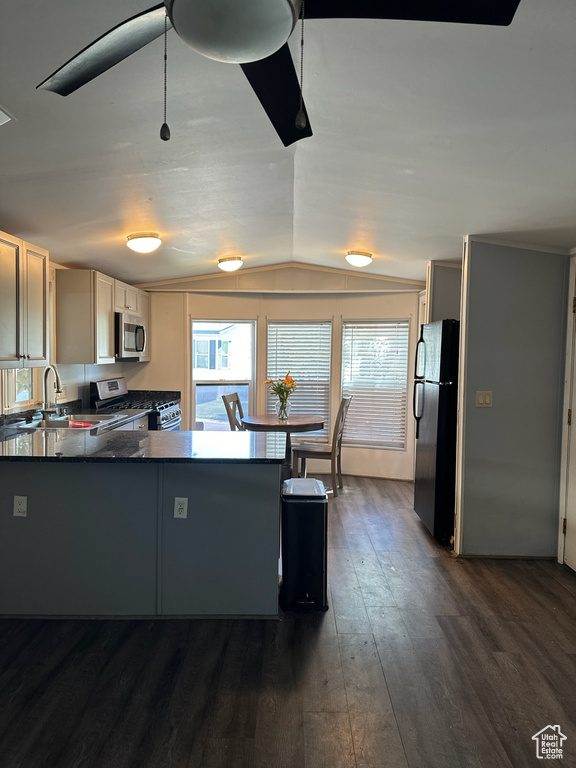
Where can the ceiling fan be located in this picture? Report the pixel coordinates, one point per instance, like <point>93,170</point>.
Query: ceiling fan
<point>254,34</point>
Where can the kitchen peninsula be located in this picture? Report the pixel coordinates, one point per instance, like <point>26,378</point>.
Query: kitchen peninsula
<point>100,535</point>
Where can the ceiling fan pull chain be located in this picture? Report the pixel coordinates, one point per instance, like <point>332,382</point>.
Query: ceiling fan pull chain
<point>165,130</point>
<point>301,121</point>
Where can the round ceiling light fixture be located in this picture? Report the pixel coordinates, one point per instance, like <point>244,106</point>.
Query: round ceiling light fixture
<point>143,242</point>
<point>359,258</point>
<point>230,263</point>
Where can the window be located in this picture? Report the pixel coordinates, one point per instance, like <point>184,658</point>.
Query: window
<point>223,356</point>
<point>304,350</point>
<point>375,372</point>
<point>20,385</point>
<point>202,353</point>
<point>223,362</point>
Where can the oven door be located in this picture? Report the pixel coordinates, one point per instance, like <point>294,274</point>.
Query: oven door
<point>130,336</point>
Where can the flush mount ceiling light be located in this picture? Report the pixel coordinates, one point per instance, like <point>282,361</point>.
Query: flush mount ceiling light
<point>358,258</point>
<point>143,242</point>
<point>230,263</point>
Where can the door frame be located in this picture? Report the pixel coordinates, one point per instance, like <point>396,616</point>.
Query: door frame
<point>569,398</point>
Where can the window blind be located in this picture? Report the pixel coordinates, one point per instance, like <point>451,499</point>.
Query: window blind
<point>375,373</point>
<point>304,349</point>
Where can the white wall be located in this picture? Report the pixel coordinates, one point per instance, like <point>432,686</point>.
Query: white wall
<point>171,315</point>
<point>513,327</point>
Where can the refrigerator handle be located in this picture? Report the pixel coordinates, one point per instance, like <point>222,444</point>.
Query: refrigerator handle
<point>420,341</point>
<point>416,416</point>
<point>416,358</point>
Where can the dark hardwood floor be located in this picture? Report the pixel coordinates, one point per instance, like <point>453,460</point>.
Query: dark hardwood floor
<point>422,660</point>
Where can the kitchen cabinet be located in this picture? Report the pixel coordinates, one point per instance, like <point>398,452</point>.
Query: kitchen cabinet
<point>101,538</point>
<point>125,297</point>
<point>23,304</point>
<point>84,317</point>
<point>443,287</point>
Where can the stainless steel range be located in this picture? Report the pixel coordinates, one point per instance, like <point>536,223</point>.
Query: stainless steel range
<point>114,395</point>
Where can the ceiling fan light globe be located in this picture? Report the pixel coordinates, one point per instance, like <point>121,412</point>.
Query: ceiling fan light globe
<point>359,258</point>
<point>234,31</point>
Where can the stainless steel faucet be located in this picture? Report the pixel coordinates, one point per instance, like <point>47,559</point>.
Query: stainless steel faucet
<point>46,409</point>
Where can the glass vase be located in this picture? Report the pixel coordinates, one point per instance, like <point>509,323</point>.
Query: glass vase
<point>283,409</point>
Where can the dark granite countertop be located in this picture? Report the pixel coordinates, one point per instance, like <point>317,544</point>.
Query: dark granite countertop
<point>119,446</point>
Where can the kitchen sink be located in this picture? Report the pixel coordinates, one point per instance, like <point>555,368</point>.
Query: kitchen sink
<point>73,421</point>
<point>59,424</point>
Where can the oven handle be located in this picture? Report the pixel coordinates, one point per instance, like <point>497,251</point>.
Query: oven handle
<point>171,426</point>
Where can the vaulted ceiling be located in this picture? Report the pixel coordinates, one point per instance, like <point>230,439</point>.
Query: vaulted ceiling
<point>423,132</point>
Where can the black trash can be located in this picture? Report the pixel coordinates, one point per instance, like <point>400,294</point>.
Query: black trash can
<point>304,545</point>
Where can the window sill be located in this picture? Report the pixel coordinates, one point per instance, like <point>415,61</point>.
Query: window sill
<point>25,405</point>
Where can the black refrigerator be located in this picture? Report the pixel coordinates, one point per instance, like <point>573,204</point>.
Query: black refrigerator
<point>435,411</point>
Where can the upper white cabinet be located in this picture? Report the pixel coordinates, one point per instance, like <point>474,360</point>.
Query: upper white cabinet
<point>23,304</point>
<point>125,297</point>
<point>443,287</point>
<point>85,301</point>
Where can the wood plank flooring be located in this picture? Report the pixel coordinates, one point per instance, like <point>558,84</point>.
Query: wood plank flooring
<point>422,661</point>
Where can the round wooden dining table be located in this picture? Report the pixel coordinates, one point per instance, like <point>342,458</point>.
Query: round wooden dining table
<point>269,423</point>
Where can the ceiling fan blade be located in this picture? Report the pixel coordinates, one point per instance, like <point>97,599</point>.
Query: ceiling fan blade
<point>495,12</point>
<point>114,46</point>
<point>275,82</point>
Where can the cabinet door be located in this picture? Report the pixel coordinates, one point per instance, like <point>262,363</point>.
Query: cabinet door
<point>104,287</point>
<point>125,297</point>
<point>36,305</point>
<point>144,312</point>
<point>10,303</point>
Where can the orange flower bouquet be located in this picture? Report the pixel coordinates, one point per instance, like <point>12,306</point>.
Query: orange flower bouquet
<point>283,388</point>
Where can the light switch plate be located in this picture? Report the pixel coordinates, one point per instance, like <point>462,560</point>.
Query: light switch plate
<point>483,398</point>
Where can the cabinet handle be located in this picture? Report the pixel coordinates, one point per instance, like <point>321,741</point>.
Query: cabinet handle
<point>28,357</point>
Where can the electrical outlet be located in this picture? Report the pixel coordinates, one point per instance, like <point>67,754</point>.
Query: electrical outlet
<point>20,506</point>
<point>180,507</point>
<point>61,395</point>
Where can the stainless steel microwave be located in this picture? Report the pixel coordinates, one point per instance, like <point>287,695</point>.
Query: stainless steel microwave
<point>130,333</point>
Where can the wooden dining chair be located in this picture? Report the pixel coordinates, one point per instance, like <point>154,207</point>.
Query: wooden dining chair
<point>234,410</point>
<point>331,452</point>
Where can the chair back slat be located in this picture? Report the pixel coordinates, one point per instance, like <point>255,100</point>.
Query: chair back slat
<point>339,423</point>
<point>234,410</point>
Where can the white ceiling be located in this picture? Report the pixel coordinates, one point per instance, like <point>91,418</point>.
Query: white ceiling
<point>423,133</point>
